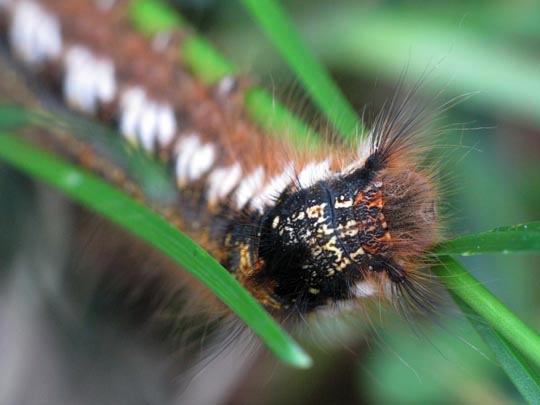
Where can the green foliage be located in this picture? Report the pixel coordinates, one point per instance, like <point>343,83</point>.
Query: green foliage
<point>492,311</point>
<point>525,376</point>
<point>523,238</point>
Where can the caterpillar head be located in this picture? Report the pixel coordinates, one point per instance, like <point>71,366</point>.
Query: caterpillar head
<point>361,232</point>
<point>347,237</point>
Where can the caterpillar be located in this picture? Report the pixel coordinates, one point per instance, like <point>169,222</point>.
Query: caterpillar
<point>301,230</point>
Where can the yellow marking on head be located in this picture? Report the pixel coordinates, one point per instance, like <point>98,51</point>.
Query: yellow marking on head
<point>344,204</point>
<point>315,211</point>
<point>246,266</point>
<point>331,247</point>
<point>325,230</point>
<point>357,253</point>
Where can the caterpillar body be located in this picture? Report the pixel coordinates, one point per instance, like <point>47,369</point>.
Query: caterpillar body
<point>300,229</point>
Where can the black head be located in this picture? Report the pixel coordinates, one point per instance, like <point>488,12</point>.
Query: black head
<point>318,243</point>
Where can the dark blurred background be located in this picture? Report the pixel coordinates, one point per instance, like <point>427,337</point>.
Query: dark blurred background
<point>486,51</point>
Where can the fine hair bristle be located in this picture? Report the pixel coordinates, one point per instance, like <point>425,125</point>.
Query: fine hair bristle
<point>402,136</point>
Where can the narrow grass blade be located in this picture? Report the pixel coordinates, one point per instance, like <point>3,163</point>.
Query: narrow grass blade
<point>525,377</point>
<point>495,313</point>
<point>323,90</point>
<point>507,239</point>
<point>152,17</point>
<point>124,211</point>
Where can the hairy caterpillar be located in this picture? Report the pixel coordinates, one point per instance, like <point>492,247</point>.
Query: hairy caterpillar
<point>408,354</point>
<point>382,202</point>
<point>301,230</point>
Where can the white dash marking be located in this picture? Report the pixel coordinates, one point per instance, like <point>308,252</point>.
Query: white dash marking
<point>148,125</point>
<point>185,149</point>
<point>314,172</point>
<point>131,107</point>
<point>166,124</point>
<point>88,80</point>
<point>146,120</point>
<point>222,181</point>
<point>79,90</point>
<point>105,81</point>
<point>273,189</point>
<point>22,33</point>
<point>34,33</point>
<point>132,96</point>
<point>49,38</point>
<point>248,187</point>
<point>201,161</point>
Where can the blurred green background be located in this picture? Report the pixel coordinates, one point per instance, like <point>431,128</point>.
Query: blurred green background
<point>486,50</point>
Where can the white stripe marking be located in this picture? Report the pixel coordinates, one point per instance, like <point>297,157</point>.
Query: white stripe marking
<point>88,81</point>
<point>249,187</point>
<point>166,124</point>
<point>105,81</point>
<point>78,88</point>
<point>148,125</point>
<point>201,161</point>
<point>35,33</point>
<point>313,173</point>
<point>273,189</point>
<point>186,148</point>
<point>26,18</point>
<point>145,120</point>
<point>131,106</point>
<point>222,181</point>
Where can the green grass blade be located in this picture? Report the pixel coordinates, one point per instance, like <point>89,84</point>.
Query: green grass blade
<point>525,378</point>
<point>271,17</point>
<point>384,41</point>
<point>96,194</point>
<point>507,239</point>
<point>152,17</point>
<point>485,304</point>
